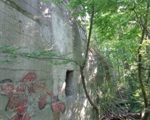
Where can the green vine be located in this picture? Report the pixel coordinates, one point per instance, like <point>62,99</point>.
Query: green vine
<point>53,57</point>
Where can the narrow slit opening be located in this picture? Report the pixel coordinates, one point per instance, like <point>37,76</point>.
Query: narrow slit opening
<point>69,83</point>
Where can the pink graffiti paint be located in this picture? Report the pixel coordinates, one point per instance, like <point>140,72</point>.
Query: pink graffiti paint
<point>58,106</point>
<point>22,106</point>
<point>20,89</point>
<point>31,89</point>
<point>17,104</point>
<point>18,116</point>
<point>7,88</point>
<point>18,95</point>
<point>42,102</point>
<point>30,76</point>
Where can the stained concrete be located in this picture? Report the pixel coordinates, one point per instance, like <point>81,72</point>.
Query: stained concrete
<point>29,26</point>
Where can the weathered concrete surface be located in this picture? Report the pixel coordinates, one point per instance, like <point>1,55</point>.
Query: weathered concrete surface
<point>29,26</point>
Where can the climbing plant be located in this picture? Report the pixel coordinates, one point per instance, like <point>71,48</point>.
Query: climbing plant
<point>54,58</point>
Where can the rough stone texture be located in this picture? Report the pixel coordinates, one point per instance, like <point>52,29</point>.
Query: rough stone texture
<point>30,26</point>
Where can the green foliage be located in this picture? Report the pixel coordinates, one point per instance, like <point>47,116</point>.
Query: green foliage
<point>117,31</point>
<point>12,51</point>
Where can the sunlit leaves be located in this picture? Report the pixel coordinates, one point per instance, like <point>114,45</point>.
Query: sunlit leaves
<point>117,33</point>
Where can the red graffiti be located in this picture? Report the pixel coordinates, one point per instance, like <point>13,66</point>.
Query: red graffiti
<point>22,106</point>
<point>19,94</point>
<point>31,89</point>
<point>18,116</point>
<point>7,88</point>
<point>31,76</point>
<point>18,104</point>
<point>42,102</point>
<point>20,89</point>
<point>58,106</point>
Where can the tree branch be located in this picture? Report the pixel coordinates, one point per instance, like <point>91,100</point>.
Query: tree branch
<point>84,64</point>
<point>144,28</point>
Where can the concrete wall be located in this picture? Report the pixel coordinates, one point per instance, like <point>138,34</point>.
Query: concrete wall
<point>30,85</point>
